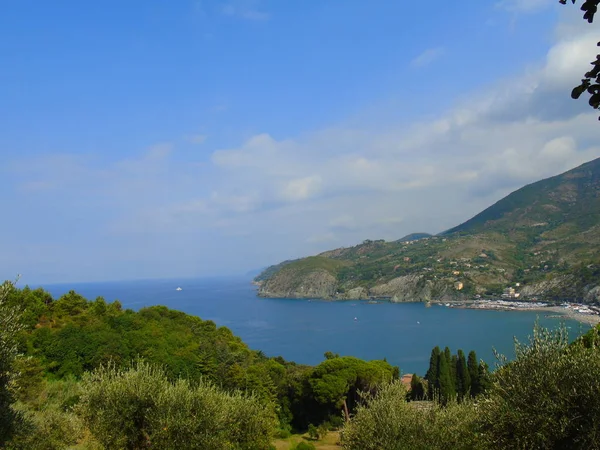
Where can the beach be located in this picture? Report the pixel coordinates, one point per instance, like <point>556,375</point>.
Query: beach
<point>581,313</point>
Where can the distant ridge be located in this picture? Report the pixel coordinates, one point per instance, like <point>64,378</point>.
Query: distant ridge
<point>539,242</point>
<point>414,237</point>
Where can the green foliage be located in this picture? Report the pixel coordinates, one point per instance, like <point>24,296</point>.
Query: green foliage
<point>452,377</point>
<point>303,445</point>
<point>547,397</point>
<point>139,407</point>
<point>49,422</point>
<point>433,373</point>
<point>463,378</point>
<point>473,369</point>
<point>323,429</point>
<point>335,383</point>
<point>312,431</point>
<point>387,421</point>
<point>9,328</point>
<point>591,81</point>
<point>446,383</point>
<point>417,389</point>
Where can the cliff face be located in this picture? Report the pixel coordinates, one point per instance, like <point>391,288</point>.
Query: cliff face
<point>287,284</point>
<point>414,288</point>
<point>320,284</point>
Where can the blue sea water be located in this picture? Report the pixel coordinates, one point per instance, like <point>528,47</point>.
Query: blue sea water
<point>302,330</point>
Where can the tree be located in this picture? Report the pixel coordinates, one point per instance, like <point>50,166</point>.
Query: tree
<point>432,375</point>
<point>313,432</point>
<point>463,379</point>
<point>417,390</point>
<point>331,355</point>
<point>484,377</point>
<point>473,369</point>
<point>547,397</point>
<point>446,388</point>
<point>386,421</point>
<point>9,327</point>
<point>591,80</point>
<point>335,383</point>
<point>140,408</point>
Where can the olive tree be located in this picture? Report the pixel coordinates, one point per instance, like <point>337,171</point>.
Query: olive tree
<point>9,327</point>
<point>140,408</point>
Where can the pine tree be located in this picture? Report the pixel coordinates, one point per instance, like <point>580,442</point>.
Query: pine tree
<point>463,378</point>
<point>473,368</point>
<point>432,374</point>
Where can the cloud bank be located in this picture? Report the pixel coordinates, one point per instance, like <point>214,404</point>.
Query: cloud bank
<point>270,199</point>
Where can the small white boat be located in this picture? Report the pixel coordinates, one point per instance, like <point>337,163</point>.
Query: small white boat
<point>179,289</point>
<point>355,318</point>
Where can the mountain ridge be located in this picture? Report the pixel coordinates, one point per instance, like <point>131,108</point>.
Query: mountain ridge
<point>543,239</point>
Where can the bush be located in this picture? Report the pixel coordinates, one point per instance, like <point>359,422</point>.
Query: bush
<point>139,407</point>
<point>323,429</point>
<point>304,446</point>
<point>49,429</point>
<point>547,397</point>
<point>283,433</point>
<point>387,421</point>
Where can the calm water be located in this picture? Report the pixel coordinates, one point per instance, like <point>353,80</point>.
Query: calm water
<point>302,330</point>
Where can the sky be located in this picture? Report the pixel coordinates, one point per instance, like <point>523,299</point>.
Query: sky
<point>161,139</point>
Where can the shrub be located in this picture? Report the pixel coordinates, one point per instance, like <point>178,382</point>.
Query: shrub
<point>49,429</point>
<point>139,407</point>
<point>387,421</point>
<point>547,397</point>
<point>304,446</point>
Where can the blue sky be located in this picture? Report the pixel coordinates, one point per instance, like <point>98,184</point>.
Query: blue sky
<point>149,139</point>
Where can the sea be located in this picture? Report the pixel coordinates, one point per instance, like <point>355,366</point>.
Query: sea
<point>303,330</point>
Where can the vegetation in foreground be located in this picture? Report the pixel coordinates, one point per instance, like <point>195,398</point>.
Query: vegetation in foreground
<point>68,382</point>
<point>545,399</point>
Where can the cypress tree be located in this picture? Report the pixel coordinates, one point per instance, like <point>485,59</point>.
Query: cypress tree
<point>432,374</point>
<point>445,382</point>
<point>417,391</point>
<point>451,365</point>
<point>473,368</point>
<point>453,371</point>
<point>463,378</point>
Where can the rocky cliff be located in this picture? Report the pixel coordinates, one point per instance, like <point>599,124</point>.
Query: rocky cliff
<point>323,285</point>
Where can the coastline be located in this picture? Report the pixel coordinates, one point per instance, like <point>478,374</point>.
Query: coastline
<point>571,311</point>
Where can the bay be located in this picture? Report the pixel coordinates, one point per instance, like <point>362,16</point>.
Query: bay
<point>302,330</point>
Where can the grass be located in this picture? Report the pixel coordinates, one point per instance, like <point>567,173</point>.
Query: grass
<point>329,442</point>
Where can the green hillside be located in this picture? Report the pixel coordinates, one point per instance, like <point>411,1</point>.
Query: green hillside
<point>543,236</point>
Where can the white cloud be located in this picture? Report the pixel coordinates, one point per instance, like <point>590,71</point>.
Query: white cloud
<point>301,188</point>
<point>427,57</point>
